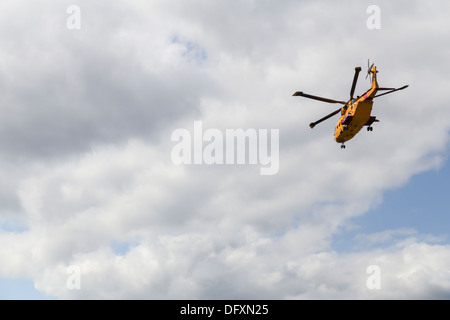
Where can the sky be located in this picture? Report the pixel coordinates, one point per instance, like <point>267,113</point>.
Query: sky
<point>94,206</point>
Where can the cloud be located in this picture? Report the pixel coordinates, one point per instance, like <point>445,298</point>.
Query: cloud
<point>85,137</point>
<point>105,84</point>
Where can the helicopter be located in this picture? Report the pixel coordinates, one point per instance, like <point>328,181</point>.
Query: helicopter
<point>355,113</point>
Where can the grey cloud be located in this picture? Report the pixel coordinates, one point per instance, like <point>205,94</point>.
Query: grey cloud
<point>65,92</point>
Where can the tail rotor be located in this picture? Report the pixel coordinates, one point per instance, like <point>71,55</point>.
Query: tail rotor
<point>369,70</point>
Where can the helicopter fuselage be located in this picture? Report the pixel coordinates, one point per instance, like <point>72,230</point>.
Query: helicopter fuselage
<point>356,114</point>
<point>352,121</point>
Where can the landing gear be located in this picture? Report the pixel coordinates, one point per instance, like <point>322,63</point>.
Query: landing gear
<point>342,146</point>
<point>369,128</point>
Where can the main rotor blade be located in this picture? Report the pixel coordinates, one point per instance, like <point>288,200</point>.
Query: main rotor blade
<point>404,87</point>
<point>299,93</point>
<point>355,79</point>
<point>313,124</point>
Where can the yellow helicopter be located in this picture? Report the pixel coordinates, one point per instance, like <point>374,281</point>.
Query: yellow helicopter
<point>355,113</point>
